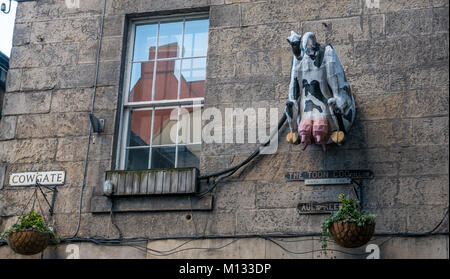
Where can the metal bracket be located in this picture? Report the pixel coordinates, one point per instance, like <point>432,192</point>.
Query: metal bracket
<point>98,125</point>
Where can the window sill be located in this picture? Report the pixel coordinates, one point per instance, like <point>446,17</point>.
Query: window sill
<point>102,204</point>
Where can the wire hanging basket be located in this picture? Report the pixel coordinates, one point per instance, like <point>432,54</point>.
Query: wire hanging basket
<point>350,235</point>
<point>30,234</point>
<point>28,242</point>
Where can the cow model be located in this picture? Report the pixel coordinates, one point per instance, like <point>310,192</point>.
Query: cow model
<point>321,107</point>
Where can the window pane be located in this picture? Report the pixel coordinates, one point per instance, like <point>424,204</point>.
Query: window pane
<point>189,156</point>
<point>196,38</point>
<point>190,130</point>
<point>169,44</point>
<point>163,157</point>
<point>163,126</point>
<point>145,42</point>
<point>167,76</point>
<point>140,124</point>
<point>141,82</point>
<point>137,159</point>
<point>193,75</point>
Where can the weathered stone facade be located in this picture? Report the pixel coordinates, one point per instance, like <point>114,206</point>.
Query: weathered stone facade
<point>396,60</point>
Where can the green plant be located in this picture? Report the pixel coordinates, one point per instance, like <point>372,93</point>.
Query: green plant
<point>30,221</point>
<point>349,211</point>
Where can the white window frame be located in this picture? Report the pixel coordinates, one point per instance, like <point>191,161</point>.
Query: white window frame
<point>153,105</point>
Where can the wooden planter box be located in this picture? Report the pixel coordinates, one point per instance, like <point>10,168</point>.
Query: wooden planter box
<point>350,235</point>
<point>28,242</point>
<point>153,182</point>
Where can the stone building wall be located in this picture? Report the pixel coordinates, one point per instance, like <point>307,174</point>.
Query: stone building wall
<point>395,56</point>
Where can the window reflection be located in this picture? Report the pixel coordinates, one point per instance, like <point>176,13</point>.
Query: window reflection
<point>195,38</point>
<point>140,124</point>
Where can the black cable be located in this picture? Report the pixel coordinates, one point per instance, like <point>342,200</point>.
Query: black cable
<point>246,161</point>
<point>90,123</point>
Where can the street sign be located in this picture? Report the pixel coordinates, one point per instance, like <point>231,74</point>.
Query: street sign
<point>47,178</point>
<point>329,174</point>
<point>317,207</point>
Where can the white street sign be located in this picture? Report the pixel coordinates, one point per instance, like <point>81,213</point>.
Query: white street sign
<point>48,178</point>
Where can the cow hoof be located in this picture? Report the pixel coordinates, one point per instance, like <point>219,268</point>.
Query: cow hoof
<point>292,138</point>
<point>337,137</point>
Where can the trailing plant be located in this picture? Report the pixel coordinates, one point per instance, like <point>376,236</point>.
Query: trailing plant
<point>349,211</point>
<point>30,221</point>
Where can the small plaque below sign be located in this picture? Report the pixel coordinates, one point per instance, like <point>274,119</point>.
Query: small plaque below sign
<point>327,181</point>
<point>317,207</point>
<point>47,178</point>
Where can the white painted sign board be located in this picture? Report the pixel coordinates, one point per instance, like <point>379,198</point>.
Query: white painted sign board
<point>48,178</point>
<point>327,181</point>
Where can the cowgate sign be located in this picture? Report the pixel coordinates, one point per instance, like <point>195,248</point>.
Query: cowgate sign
<point>47,178</point>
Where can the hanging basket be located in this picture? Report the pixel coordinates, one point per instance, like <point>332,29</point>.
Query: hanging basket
<point>350,235</point>
<point>28,242</point>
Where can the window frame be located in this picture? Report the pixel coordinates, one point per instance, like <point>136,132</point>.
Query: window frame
<point>126,107</point>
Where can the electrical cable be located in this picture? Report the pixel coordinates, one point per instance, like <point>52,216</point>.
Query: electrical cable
<point>251,157</point>
<point>90,124</point>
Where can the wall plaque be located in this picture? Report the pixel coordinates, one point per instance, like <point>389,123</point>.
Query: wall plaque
<point>317,207</point>
<point>327,181</point>
<point>47,178</point>
<point>327,174</point>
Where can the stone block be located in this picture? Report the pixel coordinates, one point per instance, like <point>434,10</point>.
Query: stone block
<point>7,127</point>
<point>423,191</point>
<point>409,22</point>
<point>278,194</point>
<point>44,55</point>
<point>51,125</point>
<point>106,98</point>
<point>7,253</point>
<point>26,103</point>
<point>422,159</point>
<point>432,247</point>
<point>31,151</point>
<point>51,10</point>
<point>429,131</point>
<point>109,73</point>
<point>221,66</point>
<point>96,173</point>
<point>71,149</point>
<point>228,248</point>
<point>294,248</point>
<point>235,195</point>
<point>428,78</point>
<point>72,100</point>
<point>440,20</point>
<point>345,30</point>
<point>424,218</point>
<point>334,251</point>
<point>65,30</point>
<point>378,106</point>
<point>78,76</point>
<point>111,50</point>
<point>2,175</point>
<point>64,205</point>
<point>225,16</point>
<point>113,25</point>
<point>393,6</point>
<point>39,78</point>
<point>272,221</point>
<point>101,147</point>
<point>127,251</point>
<point>22,32</point>
<point>13,80</point>
<point>389,219</point>
<point>423,103</point>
